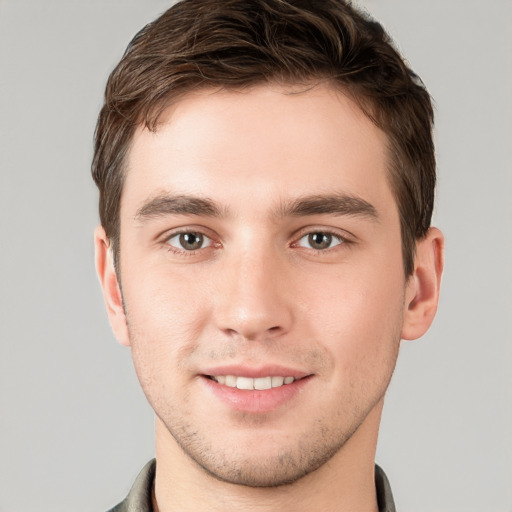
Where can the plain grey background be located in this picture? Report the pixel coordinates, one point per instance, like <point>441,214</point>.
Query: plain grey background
<point>75,428</point>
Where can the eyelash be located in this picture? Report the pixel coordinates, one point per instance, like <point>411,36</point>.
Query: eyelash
<point>343,240</point>
<point>334,236</point>
<point>183,251</point>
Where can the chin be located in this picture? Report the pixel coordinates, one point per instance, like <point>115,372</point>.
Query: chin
<point>258,465</point>
<point>274,472</point>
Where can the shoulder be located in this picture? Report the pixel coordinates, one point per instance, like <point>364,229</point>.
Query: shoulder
<point>139,498</point>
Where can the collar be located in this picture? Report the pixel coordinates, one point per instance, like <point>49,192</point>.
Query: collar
<point>139,498</point>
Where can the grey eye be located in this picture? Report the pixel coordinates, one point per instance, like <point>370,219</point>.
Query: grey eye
<point>189,241</point>
<point>319,240</point>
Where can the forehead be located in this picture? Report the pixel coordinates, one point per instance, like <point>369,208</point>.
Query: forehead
<point>265,143</point>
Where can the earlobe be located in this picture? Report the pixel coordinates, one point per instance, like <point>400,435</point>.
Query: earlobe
<point>110,286</point>
<point>422,292</point>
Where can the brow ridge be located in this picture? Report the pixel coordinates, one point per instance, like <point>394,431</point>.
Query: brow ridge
<point>167,204</point>
<point>330,204</point>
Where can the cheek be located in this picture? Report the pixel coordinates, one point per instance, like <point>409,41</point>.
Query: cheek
<point>163,315</point>
<point>357,316</point>
<point>165,312</point>
<point>161,292</point>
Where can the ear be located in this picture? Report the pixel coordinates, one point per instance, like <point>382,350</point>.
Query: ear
<point>110,286</point>
<point>422,291</point>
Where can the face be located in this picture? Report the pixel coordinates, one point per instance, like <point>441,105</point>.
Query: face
<point>262,277</point>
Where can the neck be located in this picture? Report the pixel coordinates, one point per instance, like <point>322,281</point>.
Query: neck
<point>344,483</point>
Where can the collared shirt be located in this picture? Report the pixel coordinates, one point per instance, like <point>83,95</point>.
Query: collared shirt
<point>140,497</point>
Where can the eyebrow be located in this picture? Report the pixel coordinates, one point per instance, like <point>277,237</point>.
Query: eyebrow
<point>331,204</point>
<point>167,204</point>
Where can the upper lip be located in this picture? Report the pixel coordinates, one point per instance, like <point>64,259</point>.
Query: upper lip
<point>256,371</point>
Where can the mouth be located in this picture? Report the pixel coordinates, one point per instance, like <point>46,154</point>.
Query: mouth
<point>250,383</point>
<point>255,391</point>
<point>253,388</point>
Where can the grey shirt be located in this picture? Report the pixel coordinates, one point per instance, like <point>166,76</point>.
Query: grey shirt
<point>139,498</point>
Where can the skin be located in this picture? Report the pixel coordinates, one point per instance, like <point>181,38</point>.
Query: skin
<point>260,291</point>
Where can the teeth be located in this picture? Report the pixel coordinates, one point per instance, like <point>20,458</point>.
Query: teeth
<point>230,381</point>
<point>277,381</point>
<point>263,383</point>
<point>244,383</point>
<point>260,383</point>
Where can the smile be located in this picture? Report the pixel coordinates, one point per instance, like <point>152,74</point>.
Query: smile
<point>249,383</point>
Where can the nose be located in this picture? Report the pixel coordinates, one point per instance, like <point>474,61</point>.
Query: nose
<point>254,296</point>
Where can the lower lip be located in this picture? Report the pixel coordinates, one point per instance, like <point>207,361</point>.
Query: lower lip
<point>256,401</point>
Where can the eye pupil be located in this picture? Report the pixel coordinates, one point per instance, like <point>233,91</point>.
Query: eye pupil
<point>191,241</point>
<point>320,240</point>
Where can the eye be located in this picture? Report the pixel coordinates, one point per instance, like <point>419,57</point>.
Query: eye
<point>189,241</point>
<point>319,240</point>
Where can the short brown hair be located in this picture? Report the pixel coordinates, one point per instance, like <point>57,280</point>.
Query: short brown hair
<point>238,43</point>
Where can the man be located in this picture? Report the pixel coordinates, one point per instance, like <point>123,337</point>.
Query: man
<point>266,174</point>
